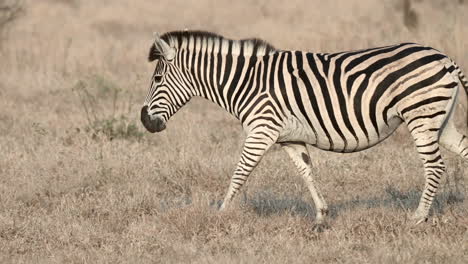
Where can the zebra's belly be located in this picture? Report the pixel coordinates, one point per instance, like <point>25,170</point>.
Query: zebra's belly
<point>297,131</point>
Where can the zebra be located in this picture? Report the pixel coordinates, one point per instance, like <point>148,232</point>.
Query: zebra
<point>342,102</point>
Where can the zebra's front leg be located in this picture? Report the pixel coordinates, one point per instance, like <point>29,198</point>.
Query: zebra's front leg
<point>300,156</point>
<point>255,146</point>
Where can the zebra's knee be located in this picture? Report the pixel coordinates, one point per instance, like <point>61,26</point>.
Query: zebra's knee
<point>438,167</point>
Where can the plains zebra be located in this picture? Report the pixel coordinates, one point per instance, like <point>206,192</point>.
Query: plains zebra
<point>342,102</point>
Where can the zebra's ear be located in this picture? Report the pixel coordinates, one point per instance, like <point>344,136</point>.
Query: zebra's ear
<point>153,53</point>
<point>160,49</point>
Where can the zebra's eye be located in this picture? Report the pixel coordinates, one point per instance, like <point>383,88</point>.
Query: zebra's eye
<point>158,78</point>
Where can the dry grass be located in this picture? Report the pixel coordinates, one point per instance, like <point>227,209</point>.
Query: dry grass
<point>80,181</point>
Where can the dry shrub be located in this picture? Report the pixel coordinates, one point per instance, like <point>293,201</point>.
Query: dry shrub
<point>410,17</point>
<point>70,3</point>
<point>9,11</point>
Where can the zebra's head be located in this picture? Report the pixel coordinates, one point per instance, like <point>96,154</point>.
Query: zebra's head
<point>169,90</point>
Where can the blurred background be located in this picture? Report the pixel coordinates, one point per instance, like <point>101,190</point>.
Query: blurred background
<point>77,36</point>
<point>52,45</point>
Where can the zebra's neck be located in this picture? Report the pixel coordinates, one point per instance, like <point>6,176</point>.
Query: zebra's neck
<point>225,74</point>
<point>222,70</point>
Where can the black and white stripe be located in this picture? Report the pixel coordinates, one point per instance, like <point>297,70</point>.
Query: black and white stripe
<point>343,102</point>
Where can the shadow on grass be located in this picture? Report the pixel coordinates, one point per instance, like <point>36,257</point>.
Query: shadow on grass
<point>265,204</point>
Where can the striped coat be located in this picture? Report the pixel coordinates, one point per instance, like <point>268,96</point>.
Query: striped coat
<point>343,102</point>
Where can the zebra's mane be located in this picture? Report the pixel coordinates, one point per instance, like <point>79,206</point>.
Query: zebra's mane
<point>251,46</point>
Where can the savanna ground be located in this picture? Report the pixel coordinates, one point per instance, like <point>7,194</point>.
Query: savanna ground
<point>82,182</point>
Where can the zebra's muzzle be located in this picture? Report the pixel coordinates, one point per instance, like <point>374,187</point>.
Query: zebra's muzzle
<point>152,124</point>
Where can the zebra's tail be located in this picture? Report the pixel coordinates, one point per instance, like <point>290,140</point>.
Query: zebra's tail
<point>463,82</point>
<point>462,77</point>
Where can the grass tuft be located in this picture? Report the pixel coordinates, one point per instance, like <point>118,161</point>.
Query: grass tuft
<point>111,122</point>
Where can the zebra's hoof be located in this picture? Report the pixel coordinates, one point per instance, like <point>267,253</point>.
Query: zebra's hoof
<point>417,219</point>
<point>223,206</point>
<point>216,204</point>
<point>320,227</point>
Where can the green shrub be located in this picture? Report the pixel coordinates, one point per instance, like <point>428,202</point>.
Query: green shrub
<point>107,108</point>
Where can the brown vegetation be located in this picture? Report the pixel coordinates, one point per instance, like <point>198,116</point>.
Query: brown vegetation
<point>9,11</point>
<point>80,180</point>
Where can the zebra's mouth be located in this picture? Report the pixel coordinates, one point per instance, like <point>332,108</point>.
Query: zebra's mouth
<point>152,124</point>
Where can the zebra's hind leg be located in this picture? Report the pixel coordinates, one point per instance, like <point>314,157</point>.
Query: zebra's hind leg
<point>255,146</point>
<point>454,141</point>
<point>426,138</point>
<point>300,156</point>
